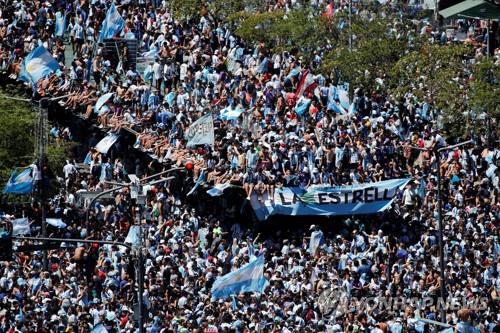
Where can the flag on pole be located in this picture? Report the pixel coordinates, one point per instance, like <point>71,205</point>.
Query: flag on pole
<point>201,132</point>
<point>20,182</point>
<point>60,24</point>
<point>306,79</point>
<point>112,24</point>
<point>37,65</point>
<point>248,278</point>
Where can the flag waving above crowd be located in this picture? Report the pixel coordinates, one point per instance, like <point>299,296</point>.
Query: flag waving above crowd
<point>20,182</point>
<point>113,24</point>
<point>37,65</point>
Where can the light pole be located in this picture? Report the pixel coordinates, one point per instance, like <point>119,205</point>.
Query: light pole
<point>440,217</point>
<point>140,275</point>
<point>139,249</point>
<point>40,150</point>
<point>350,25</point>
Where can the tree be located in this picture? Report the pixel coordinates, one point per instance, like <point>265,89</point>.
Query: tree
<point>297,31</point>
<point>374,52</point>
<point>17,125</point>
<point>484,97</point>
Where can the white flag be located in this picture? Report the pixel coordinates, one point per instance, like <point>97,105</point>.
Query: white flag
<point>106,143</point>
<point>201,132</point>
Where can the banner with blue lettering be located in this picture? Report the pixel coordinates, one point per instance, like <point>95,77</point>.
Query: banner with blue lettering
<point>368,198</point>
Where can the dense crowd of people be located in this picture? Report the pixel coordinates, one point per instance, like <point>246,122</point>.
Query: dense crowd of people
<point>200,66</point>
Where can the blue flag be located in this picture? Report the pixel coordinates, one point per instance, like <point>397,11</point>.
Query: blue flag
<point>20,182</point>
<point>151,54</point>
<point>343,96</point>
<point>201,179</point>
<point>37,65</point>
<point>170,98</point>
<point>230,113</point>
<point>112,25</point>
<point>88,159</point>
<point>249,278</point>
<point>99,328</point>
<point>352,108</point>
<point>234,305</point>
<point>60,24</point>
<point>58,223</point>
<point>302,106</point>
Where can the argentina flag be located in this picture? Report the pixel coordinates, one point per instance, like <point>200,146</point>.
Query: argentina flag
<point>19,182</point>
<point>60,24</point>
<point>37,65</point>
<point>249,278</point>
<point>112,25</point>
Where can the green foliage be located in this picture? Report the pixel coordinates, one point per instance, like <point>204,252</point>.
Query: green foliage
<point>17,123</point>
<point>437,73</point>
<point>297,31</point>
<point>185,9</point>
<point>484,96</point>
<point>374,52</point>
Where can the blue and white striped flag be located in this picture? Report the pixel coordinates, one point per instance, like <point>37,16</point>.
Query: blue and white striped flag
<point>60,24</point>
<point>218,189</point>
<point>88,159</point>
<point>343,96</point>
<point>58,223</point>
<point>21,227</point>
<point>20,182</point>
<point>201,179</point>
<point>315,241</point>
<point>112,25</point>
<point>133,236</point>
<point>249,278</point>
<point>151,54</point>
<point>37,65</point>
<point>230,113</point>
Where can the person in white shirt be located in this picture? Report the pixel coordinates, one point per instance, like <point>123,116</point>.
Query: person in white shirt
<point>69,169</point>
